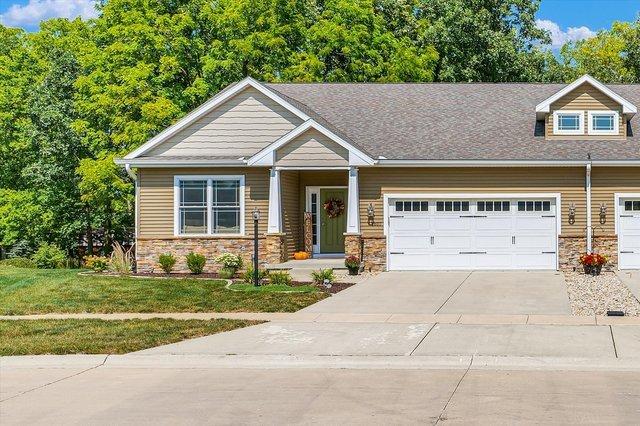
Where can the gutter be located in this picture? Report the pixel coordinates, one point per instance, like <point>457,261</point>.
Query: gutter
<point>506,163</point>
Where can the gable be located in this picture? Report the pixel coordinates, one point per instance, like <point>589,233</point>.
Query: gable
<point>239,127</point>
<point>586,97</point>
<point>312,148</point>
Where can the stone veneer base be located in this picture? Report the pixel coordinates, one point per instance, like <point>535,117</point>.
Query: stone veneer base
<point>149,250</point>
<point>571,248</point>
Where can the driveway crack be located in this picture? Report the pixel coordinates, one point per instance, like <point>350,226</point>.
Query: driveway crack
<point>422,340</point>
<point>454,291</point>
<point>441,416</point>
<point>613,340</point>
<point>57,381</point>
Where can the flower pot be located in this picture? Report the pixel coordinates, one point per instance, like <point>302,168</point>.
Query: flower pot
<point>596,269</point>
<point>353,271</point>
<point>587,269</point>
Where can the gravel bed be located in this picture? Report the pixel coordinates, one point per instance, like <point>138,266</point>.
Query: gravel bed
<point>590,295</point>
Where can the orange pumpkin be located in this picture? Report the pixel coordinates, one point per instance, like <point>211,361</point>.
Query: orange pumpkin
<point>301,255</point>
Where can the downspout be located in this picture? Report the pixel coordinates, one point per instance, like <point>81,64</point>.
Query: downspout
<point>589,227</point>
<point>133,176</point>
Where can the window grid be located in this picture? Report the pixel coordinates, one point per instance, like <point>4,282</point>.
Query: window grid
<point>602,122</point>
<point>534,206</point>
<point>569,121</point>
<point>632,205</point>
<point>493,206</point>
<point>452,206</point>
<point>314,219</point>
<point>412,206</point>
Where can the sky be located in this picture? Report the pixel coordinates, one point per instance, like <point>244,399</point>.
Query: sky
<point>567,20</point>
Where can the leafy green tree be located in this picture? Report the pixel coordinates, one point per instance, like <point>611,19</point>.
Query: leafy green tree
<point>485,40</point>
<point>22,218</point>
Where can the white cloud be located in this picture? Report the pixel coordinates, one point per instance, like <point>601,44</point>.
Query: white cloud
<point>34,11</point>
<point>559,37</point>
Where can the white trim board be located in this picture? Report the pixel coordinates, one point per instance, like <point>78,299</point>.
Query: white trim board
<point>208,106</point>
<point>266,156</point>
<point>627,107</point>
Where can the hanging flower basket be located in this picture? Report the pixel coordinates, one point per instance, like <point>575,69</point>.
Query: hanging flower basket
<point>592,263</point>
<point>334,207</point>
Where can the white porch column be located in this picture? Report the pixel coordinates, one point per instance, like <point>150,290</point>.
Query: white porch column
<point>353,203</point>
<point>274,224</point>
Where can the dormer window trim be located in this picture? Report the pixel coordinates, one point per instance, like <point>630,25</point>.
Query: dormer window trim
<point>616,123</point>
<point>556,122</point>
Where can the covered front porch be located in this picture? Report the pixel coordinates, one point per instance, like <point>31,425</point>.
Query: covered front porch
<point>315,211</point>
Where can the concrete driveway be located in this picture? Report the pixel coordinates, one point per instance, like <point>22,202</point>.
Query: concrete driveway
<point>482,293</point>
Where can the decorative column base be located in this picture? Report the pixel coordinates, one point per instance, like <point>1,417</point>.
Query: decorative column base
<point>307,233</point>
<point>353,245</point>
<point>275,251</point>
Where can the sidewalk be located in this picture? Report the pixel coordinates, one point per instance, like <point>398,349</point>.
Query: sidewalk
<point>302,316</point>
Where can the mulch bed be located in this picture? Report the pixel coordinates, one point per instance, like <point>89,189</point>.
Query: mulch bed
<point>335,287</point>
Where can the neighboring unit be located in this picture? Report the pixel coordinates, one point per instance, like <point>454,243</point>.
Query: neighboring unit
<point>405,176</point>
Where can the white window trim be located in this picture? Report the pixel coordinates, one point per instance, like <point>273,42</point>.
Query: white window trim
<point>616,123</point>
<point>209,179</point>
<point>556,116</point>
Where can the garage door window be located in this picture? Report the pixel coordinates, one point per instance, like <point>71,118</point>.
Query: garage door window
<point>534,206</point>
<point>493,206</point>
<point>412,206</point>
<point>632,206</point>
<point>452,206</point>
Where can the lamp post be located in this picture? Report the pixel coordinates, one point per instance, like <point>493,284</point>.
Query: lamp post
<point>256,219</point>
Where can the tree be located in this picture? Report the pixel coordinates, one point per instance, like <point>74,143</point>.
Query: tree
<point>485,40</point>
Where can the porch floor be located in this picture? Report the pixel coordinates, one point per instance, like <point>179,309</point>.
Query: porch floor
<point>317,263</point>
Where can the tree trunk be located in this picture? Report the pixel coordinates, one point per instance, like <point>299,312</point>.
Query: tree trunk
<point>89,234</point>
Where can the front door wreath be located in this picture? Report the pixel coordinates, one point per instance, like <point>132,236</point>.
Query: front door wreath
<point>334,207</point>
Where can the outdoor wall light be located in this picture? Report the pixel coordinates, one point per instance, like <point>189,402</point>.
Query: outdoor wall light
<point>256,214</point>
<point>572,213</point>
<point>603,213</point>
<point>370,214</point>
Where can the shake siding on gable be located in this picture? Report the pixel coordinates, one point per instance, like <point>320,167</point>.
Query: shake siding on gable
<point>312,148</point>
<point>568,181</point>
<point>240,127</point>
<point>156,198</point>
<point>585,98</point>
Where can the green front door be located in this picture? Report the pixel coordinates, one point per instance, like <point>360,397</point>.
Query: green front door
<point>332,229</point>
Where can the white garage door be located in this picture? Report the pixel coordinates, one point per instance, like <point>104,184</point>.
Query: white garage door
<point>629,233</point>
<point>485,233</point>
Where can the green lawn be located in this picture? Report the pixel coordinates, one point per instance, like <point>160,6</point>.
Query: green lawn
<point>89,336</point>
<point>36,291</point>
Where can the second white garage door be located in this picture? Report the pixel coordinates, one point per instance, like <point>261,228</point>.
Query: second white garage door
<point>482,233</point>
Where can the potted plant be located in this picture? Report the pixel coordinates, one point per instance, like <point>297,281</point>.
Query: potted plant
<point>353,265</point>
<point>593,262</point>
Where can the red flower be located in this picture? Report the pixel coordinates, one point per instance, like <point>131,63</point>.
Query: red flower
<point>593,259</point>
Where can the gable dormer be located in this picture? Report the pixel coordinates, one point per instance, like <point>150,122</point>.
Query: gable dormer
<point>585,109</point>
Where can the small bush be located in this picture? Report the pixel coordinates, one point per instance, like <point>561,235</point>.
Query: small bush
<point>247,277</point>
<point>97,263</point>
<point>167,262</point>
<point>121,259</point>
<point>227,273</point>
<point>230,261</point>
<point>19,262</point>
<point>49,256</point>
<point>195,262</point>
<point>21,249</point>
<point>352,262</point>
<point>321,275</point>
<point>279,278</point>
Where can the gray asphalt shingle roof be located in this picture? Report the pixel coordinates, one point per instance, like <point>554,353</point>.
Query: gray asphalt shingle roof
<point>453,121</point>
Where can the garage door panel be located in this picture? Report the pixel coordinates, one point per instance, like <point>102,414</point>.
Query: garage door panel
<point>406,242</point>
<point>409,223</point>
<point>524,224</point>
<point>494,223</point>
<point>409,261</point>
<point>452,261</point>
<point>453,242</point>
<point>629,233</point>
<point>534,242</point>
<point>452,223</point>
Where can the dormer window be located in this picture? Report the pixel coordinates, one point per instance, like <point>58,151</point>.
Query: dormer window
<point>568,122</point>
<point>603,122</point>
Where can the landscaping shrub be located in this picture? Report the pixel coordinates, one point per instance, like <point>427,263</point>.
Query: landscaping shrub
<point>247,277</point>
<point>167,261</point>
<point>226,273</point>
<point>195,262</point>
<point>19,262</point>
<point>49,256</point>
<point>321,275</point>
<point>97,263</point>
<point>121,259</point>
<point>279,278</point>
<point>230,261</point>
<point>21,249</point>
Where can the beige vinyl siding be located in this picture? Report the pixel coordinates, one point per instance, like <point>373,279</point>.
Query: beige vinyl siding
<point>291,213</point>
<point>569,182</point>
<point>312,148</point>
<point>241,126</point>
<point>605,182</point>
<point>586,98</point>
<point>156,197</point>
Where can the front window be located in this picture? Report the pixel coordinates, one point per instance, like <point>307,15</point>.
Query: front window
<point>603,122</point>
<point>568,122</point>
<point>210,205</point>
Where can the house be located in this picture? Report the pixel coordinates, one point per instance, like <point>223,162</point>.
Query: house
<point>406,176</point>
